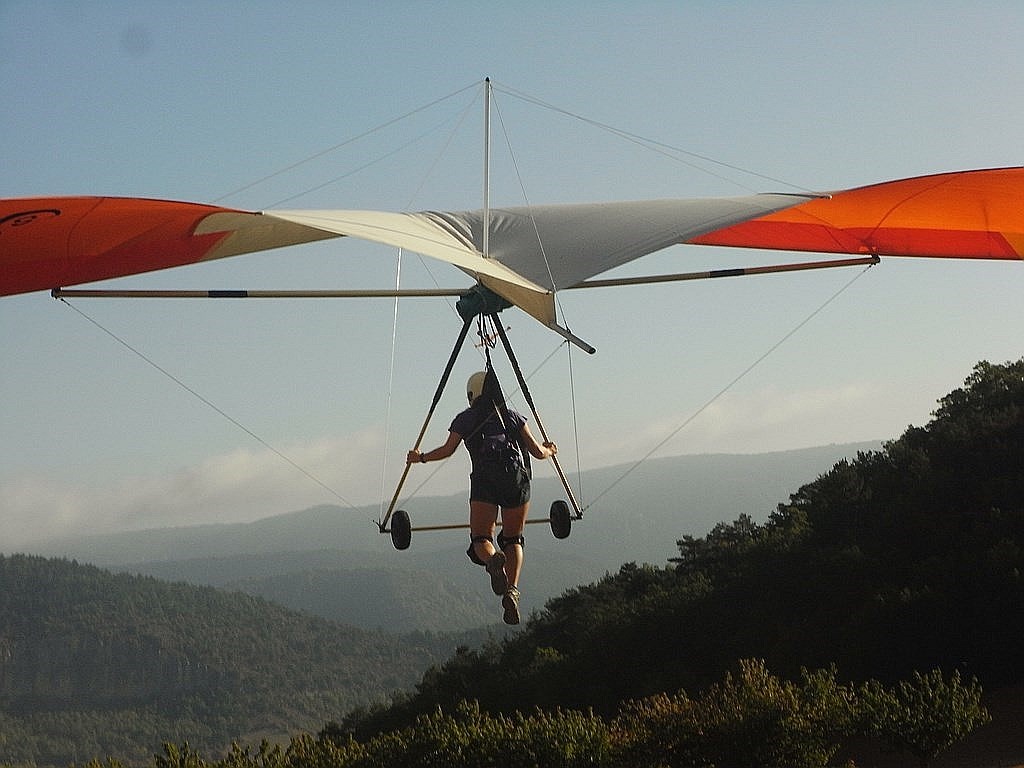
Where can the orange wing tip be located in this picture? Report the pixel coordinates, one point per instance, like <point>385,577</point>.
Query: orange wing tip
<point>60,241</point>
<point>966,214</point>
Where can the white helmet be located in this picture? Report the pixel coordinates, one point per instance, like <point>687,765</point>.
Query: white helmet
<point>475,385</point>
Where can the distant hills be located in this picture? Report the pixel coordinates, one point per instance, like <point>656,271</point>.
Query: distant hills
<point>332,561</point>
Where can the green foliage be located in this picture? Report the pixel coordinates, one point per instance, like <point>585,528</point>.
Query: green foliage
<point>474,739</point>
<point>923,716</point>
<point>468,737</point>
<point>751,719</point>
<point>179,757</point>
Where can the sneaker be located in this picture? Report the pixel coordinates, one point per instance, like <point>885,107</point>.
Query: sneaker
<point>510,603</point>
<point>496,570</point>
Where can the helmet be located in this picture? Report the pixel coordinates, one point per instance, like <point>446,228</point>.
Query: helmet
<point>475,385</point>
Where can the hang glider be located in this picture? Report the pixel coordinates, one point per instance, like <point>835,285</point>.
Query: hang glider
<point>526,254</point>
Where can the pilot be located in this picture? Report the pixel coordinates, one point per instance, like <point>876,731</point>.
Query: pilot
<point>497,439</point>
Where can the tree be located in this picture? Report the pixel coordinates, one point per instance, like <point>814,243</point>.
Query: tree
<point>924,716</point>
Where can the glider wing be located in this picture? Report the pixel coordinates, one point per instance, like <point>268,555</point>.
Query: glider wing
<point>967,214</point>
<point>54,242</point>
<point>57,242</point>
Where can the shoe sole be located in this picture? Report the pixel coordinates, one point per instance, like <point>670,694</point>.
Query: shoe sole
<point>496,570</point>
<point>511,606</point>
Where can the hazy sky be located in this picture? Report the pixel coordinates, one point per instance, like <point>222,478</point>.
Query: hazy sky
<point>223,101</point>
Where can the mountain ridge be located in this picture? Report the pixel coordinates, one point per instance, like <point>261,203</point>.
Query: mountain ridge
<point>637,520</point>
<point>316,521</point>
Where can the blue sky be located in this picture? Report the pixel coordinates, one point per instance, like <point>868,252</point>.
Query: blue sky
<point>199,100</point>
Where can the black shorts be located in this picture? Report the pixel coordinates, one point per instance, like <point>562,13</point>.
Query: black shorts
<point>508,486</point>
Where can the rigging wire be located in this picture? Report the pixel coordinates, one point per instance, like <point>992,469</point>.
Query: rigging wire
<point>398,285</point>
<point>529,205</point>
<point>357,169</point>
<point>426,175</point>
<point>575,424</point>
<point>485,342</point>
<point>441,152</point>
<point>346,142</point>
<point>654,145</point>
<point>554,288</point>
<point>667,150</point>
<point>210,404</point>
<point>390,389</point>
<point>693,416</point>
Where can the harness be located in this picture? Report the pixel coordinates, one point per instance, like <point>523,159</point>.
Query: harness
<point>494,449</point>
<point>491,443</point>
<point>490,440</point>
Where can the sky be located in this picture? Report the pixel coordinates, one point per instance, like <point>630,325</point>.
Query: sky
<point>127,414</point>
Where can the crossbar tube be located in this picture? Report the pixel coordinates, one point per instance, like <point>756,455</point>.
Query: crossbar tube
<point>101,293</point>
<point>715,273</point>
<point>97,293</point>
<point>457,526</point>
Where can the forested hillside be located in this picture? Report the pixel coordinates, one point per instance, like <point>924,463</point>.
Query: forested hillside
<point>904,559</point>
<point>93,663</point>
<point>891,587</point>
